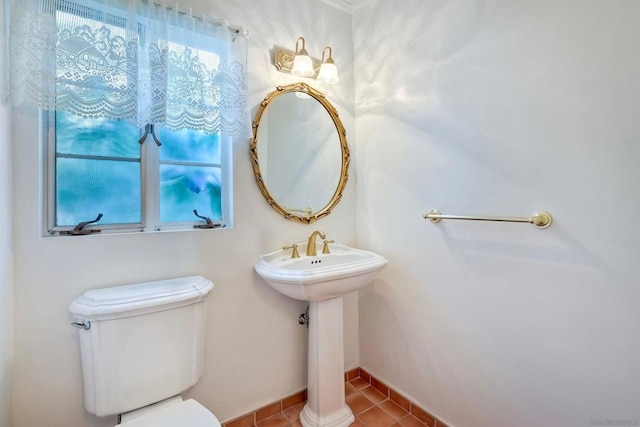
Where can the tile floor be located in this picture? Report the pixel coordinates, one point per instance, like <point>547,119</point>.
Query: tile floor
<point>370,406</point>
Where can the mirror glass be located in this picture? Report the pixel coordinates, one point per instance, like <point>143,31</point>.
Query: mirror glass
<point>299,152</point>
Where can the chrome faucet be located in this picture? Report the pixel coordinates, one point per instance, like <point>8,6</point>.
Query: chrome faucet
<point>311,244</point>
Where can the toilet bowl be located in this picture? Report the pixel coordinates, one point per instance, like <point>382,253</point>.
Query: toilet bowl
<point>172,412</point>
<point>142,345</point>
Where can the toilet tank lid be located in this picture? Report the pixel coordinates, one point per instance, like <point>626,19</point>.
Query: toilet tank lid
<point>130,300</point>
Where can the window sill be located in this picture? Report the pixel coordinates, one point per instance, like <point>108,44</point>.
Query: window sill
<point>131,231</point>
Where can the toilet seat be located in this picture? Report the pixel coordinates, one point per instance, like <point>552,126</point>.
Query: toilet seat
<point>171,413</point>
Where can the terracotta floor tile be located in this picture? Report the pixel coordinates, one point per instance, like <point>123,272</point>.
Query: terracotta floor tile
<point>392,409</point>
<point>293,413</point>
<point>293,400</point>
<point>382,388</point>
<point>268,411</point>
<point>245,421</point>
<point>275,421</point>
<point>373,395</point>
<point>349,389</point>
<point>411,421</point>
<point>399,400</point>
<point>359,383</point>
<point>376,417</point>
<point>365,375</point>
<point>352,374</point>
<point>370,406</point>
<point>358,403</point>
<point>423,416</point>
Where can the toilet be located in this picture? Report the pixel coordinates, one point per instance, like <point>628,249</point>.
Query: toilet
<point>142,345</point>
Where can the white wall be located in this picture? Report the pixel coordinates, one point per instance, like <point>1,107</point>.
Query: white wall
<point>256,351</point>
<point>502,107</point>
<point>6,246</point>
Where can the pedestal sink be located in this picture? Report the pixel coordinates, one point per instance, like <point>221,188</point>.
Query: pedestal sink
<point>322,280</point>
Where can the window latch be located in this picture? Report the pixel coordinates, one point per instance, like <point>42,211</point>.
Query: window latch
<point>209,223</point>
<point>149,130</point>
<point>79,230</point>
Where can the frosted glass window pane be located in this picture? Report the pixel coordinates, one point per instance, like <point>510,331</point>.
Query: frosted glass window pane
<point>87,187</point>
<point>96,137</point>
<point>188,145</point>
<point>185,188</point>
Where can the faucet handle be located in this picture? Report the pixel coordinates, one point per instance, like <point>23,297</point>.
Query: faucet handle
<point>325,247</point>
<point>295,253</point>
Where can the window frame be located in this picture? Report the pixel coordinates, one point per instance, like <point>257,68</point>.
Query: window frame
<point>48,124</point>
<point>149,191</point>
<point>226,178</point>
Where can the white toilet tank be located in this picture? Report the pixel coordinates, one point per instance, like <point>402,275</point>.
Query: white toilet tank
<point>144,342</point>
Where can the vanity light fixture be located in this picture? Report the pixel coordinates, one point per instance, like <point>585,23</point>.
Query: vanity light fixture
<point>328,71</point>
<point>299,63</point>
<point>302,64</point>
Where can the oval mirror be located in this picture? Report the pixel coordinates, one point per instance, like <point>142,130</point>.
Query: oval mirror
<point>299,152</point>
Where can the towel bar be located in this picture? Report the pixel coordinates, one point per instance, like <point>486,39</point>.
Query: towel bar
<point>537,219</point>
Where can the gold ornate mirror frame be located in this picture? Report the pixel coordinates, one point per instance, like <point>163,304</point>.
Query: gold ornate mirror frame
<point>342,134</point>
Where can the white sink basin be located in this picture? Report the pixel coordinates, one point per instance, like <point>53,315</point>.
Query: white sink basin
<point>321,277</point>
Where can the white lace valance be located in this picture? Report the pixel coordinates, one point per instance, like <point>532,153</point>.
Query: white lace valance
<point>129,60</point>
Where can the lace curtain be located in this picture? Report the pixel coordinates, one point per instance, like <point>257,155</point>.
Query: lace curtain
<point>129,60</point>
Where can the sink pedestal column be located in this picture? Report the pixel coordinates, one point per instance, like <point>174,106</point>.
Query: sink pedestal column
<point>326,406</point>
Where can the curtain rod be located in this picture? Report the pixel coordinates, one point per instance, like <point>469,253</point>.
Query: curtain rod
<point>222,22</point>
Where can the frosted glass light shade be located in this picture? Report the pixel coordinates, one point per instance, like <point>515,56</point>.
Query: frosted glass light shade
<point>302,65</point>
<point>328,73</point>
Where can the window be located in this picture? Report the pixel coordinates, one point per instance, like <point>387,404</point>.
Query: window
<point>98,166</point>
<point>141,104</point>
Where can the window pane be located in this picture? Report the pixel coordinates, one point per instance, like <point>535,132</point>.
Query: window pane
<point>96,137</point>
<point>185,188</point>
<point>188,145</point>
<point>86,188</point>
